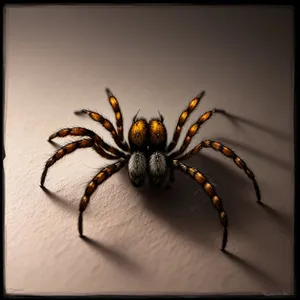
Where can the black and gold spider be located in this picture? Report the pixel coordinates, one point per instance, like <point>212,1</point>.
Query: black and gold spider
<point>147,153</point>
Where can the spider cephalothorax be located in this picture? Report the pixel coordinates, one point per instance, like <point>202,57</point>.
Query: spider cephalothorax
<point>146,154</point>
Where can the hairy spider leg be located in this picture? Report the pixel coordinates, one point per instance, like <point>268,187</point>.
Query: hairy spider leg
<point>118,116</point>
<point>103,175</point>
<point>80,131</point>
<point>182,120</point>
<point>192,132</point>
<point>210,191</point>
<point>106,124</point>
<point>69,148</point>
<point>228,153</point>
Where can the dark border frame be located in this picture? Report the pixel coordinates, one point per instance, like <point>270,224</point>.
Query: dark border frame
<point>295,9</point>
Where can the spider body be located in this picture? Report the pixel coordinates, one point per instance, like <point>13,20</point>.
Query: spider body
<point>147,153</point>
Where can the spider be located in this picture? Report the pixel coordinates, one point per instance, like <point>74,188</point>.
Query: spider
<point>147,153</point>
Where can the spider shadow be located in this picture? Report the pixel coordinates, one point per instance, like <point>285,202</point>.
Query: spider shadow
<point>114,255</point>
<point>187,208</point>
<point>236,120</point>
<point>60,201</point>
<point>189,211</point>
<point>283,220</point>
<point>254,271</point>
<point>109,252</point>
<point>193,215</point>
<point>55,144</point>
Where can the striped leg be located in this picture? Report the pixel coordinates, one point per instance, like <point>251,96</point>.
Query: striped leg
<point>107,125</point>
<point>103,175</point>
<point>228,153</point>
<point>118,115</point>
<point>69,148</point>
<point>182,120</point>
<point>191,133</point>
<point>80,131</point>
<point>210,191</point>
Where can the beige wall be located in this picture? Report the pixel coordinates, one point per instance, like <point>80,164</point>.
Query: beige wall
<point>60,59</point>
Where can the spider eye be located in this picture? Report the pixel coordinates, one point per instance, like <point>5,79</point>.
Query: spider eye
<point>157,134</point>
<point>137,135</point>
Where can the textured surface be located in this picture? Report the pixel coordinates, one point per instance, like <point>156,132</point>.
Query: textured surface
<point>60,59</point>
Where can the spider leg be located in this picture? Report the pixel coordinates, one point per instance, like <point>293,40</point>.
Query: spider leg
<point>69,148</point>
<point>182,120</point>
<point>103,175</point>
<point>80,131</point>
<point>107,125</point>
<point>192,132</point>
<point>210,191</point>
<point>118,115</point>
<point>228,153</point>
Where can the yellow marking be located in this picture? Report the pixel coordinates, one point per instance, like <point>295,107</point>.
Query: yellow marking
<point>85,200</point>
<point>59,153</point>
<point>100,177</point>
<point>209,189</point>
<point>113,101</point>
<point>192,171</point>
<point>91,184</point>
<point>90,188</point>
<point>118,116</point>
<point>96,117</point>
<point>70,147</point>
<point>83,204</point>
<point>107,125</point>
<point>187,140</point>
<point>216,145</point>
<point>84,143</point>
<point>193,103</point>
<point>200,178</point>
<point>228,152</point>
<point>193,130</point>
<point>63,132</point>
<point>183,117</point>
<point>78,131</point>
<point>217,202</point>
<point>205,117</point>
<point>223,218</point>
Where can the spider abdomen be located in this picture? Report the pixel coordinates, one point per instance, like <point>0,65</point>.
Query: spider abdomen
<point>137,168</point>
<point>157,167</point>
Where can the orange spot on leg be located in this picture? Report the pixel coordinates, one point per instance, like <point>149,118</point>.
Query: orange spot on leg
<point>228,152</point>
<point>217,202</point>
<point>209,189</point>
<point>199,178</point>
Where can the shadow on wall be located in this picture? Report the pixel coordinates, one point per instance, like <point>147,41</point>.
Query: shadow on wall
<point>237,121</point>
